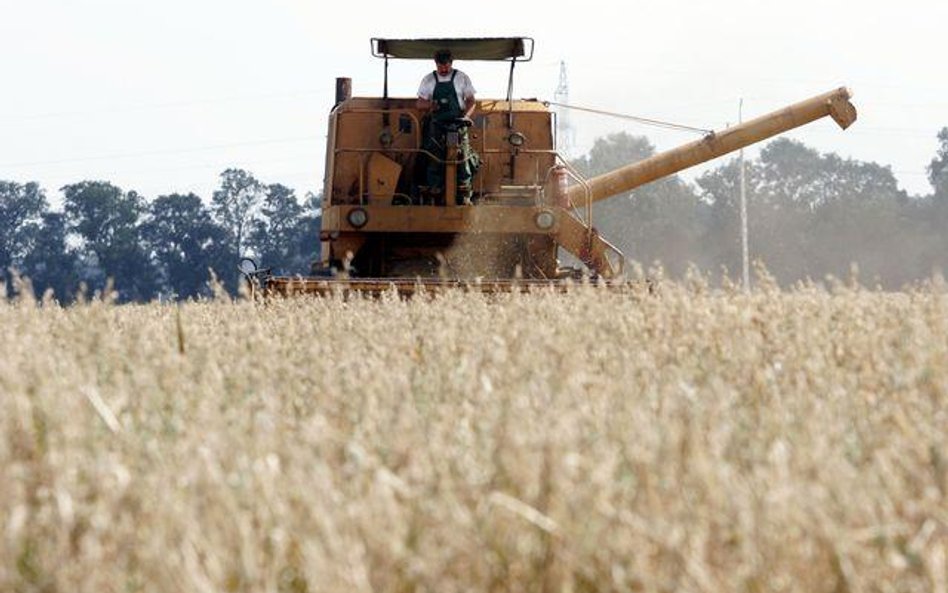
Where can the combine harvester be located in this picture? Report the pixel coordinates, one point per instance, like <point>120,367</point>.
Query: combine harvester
<point>382,231</point>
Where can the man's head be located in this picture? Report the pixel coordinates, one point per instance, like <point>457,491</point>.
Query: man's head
<point>443,60</point>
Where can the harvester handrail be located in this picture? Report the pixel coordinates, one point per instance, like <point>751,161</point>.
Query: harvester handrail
<point>587,204</point>
<point>363,152</point>
<point>401,150</point>
<point>416,128</point>
<point>587,191</point>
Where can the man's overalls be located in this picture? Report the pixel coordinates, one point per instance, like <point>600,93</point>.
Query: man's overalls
<point>443,120</point>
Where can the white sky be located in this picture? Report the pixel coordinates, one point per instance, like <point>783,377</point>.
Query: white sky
<point>161,97</point>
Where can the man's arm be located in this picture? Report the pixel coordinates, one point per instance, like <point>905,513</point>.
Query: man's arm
<point>468,94</point>
<point>425,89</point>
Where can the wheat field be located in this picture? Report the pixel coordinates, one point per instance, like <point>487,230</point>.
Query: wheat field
<point>688,439</point>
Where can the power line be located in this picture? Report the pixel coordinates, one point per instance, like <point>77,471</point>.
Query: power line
<point>8,117</point>
<point>161,152</point>
<point>641,120</point>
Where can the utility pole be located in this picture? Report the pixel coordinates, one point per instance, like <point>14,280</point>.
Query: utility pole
<point>744,254</point>
<point>564,130</point>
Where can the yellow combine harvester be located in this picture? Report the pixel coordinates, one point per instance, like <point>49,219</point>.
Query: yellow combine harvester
<point>380,229</point>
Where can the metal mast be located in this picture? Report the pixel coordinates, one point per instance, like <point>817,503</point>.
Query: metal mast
<point>565,137</point>
<point>744,254</point>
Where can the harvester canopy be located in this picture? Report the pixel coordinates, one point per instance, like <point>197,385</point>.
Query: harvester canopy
<point>518,49</point>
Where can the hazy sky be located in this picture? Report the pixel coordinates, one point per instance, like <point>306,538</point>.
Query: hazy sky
<point>161,97</point>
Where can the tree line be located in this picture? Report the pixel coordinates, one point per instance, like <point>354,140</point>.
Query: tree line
<point>810,215</point>
<point>166,248</point>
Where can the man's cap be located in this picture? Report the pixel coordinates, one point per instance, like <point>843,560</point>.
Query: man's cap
<point>443,56</point>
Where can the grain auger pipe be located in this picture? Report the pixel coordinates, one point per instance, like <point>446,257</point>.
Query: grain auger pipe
<point>834,104</point>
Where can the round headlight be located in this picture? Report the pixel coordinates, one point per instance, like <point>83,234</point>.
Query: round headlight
<point>247,266</point>
<point>544,220</point>
<point>516,139</point>
<point>357,217</point>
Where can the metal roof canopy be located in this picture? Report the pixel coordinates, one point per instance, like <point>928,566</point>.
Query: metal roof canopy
<point>519,49</point>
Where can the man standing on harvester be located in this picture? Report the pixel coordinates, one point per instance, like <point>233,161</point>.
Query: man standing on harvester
<point>447,96</point>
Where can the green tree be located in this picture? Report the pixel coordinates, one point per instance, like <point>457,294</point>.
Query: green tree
<point>835,212</point>
<point>811,214</point>
<point>106,219</point>
<point>21,209</point>
<point>660,221</point>
<point>719,190</point>
<point>931,214</point>
<point>236,205</point>
<point>795,175</point>
<point>51,264</point>
<point>186,243</point>
<point>286,237</point>
<point>938,168</point>
<point>308,238</point>
<point>274,233</point>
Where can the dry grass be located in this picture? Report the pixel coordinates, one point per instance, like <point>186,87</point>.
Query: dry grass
<point>692,441</point>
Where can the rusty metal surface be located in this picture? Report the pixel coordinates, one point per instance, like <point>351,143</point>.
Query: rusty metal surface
<point>441,219</point>
<point>357,125</point>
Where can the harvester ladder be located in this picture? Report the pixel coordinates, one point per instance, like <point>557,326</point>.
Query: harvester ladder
<point>588,246</point>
